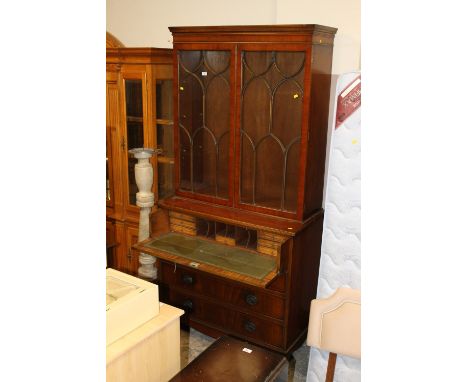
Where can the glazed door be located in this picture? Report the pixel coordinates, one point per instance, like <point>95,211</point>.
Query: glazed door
<point>204,120</point>
<point>113,199</point>
<point>111,111</point>
<point>271,128</point>
<point>136,119</point>
<point>164,126</point>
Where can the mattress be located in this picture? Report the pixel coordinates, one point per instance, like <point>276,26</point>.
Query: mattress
<point>340,264</point>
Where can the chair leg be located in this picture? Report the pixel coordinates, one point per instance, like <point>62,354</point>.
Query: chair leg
<point>291,368</point>
<point>331,367</point>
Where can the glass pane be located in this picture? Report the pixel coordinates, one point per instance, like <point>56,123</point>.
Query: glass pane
<point>268,180</point>
<point>292,177</point>
<point>271,119</point>
<point>164,99</point>
<point>134,119</point>
<point>204,162</point>
<point>204,121</point>
<point>165,139</point>
<point>185,160</point>
<point>247,170</point>
<point>165,180</point>
<point>222,171</point>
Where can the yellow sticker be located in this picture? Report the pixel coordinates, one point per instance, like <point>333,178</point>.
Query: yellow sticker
<point>354,141</point>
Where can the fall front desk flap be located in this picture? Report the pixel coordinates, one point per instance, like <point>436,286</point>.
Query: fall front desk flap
<point>202,251</point>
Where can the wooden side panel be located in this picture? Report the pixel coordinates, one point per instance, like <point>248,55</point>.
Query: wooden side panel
<point>318,127</point>
<point>120,252</point>
<point>304,278</point>
<point>279,283</point>
<point>132,255</point>
<point>110,232</point>
<point>126,259</point>
<point>110,243</point>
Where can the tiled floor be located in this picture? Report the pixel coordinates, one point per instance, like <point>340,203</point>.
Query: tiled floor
<point>193,343</point>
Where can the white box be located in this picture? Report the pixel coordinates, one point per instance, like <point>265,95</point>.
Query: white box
<point>130,302</point>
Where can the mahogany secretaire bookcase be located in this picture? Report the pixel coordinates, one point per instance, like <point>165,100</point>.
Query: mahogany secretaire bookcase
<point>238,245</point>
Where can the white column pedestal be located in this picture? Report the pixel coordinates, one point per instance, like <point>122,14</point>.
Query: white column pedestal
<point>144,200</point>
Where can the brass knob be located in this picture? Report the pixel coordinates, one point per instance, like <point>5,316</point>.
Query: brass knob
<point>250,326</point>
<point>187,279</point>
<point>187,305</point>
<point>251,299</point>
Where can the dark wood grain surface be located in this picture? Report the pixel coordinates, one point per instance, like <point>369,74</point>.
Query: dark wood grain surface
<point>231,360</point>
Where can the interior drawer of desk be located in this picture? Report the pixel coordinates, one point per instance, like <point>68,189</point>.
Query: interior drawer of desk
<point>227,320</point>
<point>237,294</point>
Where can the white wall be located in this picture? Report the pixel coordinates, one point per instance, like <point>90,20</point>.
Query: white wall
<point>145,22</point>
<point>342,14</point>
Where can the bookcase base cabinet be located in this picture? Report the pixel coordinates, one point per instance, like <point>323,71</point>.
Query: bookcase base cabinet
<point>275,316</point>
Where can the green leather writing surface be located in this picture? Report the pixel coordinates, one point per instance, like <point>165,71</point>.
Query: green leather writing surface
<point>233,259</point>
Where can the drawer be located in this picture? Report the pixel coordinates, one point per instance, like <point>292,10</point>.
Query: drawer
<point>228,320</point>
<point>230,292</point>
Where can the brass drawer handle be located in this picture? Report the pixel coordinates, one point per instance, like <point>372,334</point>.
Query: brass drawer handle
<point>187,279</point>
<point>187,305</point>
<point>251,299</point>
<point>250,326</point>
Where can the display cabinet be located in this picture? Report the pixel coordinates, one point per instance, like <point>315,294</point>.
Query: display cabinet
<point>139,114</point>
<point>251,115</point>
<point>239,243</point>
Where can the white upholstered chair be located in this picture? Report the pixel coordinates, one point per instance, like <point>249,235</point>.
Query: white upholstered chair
<point>335,326</point>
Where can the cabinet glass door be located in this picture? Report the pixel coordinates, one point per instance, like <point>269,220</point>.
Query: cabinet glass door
<point>109,191</point>
<point>204,119</point>
<point>112,121</point>
<point>135,133</point>
<point>165,137</point>
<point>271,102</point>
